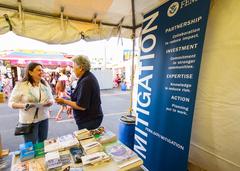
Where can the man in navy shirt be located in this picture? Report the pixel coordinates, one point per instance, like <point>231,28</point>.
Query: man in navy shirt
<point>85,99</point>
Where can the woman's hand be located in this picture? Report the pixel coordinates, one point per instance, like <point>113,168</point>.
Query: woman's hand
<point>59,100</point>
<point>28,106</point>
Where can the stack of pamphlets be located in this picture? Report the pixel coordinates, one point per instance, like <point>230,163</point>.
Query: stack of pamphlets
<point>65,157</point>
<point>82,134</point>
<point>92,147</point>
<point>39,150</point>
<point>53,161</point>
<point>30,165</point>
<point>120,152</point>
<point>68,141</point>
<point>77,153</point>
<point>21,166</point>
<point>81,150</point>
<point>51,145</point>
<point>106,137</point>
<point>76,169</point>
<point>26,151</point>
<point>123,156</point>
<point>98,130</point>
<point>95,158</point>
<point>87,140</point>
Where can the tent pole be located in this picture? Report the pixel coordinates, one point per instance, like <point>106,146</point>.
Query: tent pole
<point>133,54</point>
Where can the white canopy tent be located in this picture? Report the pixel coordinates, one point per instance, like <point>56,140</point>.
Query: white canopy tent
<point>61,21</point>
<point>215,134</point>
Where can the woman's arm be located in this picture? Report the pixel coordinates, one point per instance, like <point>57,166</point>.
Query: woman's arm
<point>15,98</point>
<point>25,106</point>
<point>17,105</point>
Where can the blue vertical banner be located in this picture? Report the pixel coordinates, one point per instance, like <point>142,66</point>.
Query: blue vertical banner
<point>171,50</point>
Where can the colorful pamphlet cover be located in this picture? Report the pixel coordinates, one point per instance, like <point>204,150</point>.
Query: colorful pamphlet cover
<point>26,151</point>
<point>125,158</point>
<point>51,145</point>
<point>77,153</point>
<point>52,160</point>
<point>65,157</point>
<point>26,146</point>
<point>120,153</point>
<point>68,141</point>
<point>106,137</point>
<point>39,150</point>
<point>27,155</point>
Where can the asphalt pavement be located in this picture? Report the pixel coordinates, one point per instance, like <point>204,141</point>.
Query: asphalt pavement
<point>114,103</point>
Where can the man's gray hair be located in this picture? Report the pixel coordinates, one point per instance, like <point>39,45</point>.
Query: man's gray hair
<point>82,61</point>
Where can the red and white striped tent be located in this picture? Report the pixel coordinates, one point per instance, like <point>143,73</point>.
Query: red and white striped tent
<point>23,57</point>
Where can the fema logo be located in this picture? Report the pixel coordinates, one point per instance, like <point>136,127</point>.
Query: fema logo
<point>173,9</point>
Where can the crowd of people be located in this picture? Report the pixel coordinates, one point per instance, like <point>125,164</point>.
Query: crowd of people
<point>62,84</point>
<point>34,95</point>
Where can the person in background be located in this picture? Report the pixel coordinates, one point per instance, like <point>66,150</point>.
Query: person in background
<point>63,76</point>
<point>1,84</point>
<point>73,82</point>
<point>48,78</point>
<point>62,93</point>
<point>85,99</point>
<point>117,80</point>
<point>7,85</point>
<point>53,81</point>
<point>32,96</point>
<point>68,86</point>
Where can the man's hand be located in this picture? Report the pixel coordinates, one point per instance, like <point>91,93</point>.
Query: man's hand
<point>59,100</point>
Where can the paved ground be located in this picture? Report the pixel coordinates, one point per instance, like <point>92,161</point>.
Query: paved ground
<point>114,103</point>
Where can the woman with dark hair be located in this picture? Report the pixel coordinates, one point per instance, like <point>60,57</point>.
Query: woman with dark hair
<point>33,97</point>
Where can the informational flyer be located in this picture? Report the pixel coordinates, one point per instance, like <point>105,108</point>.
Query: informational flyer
<point>171,50</point>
